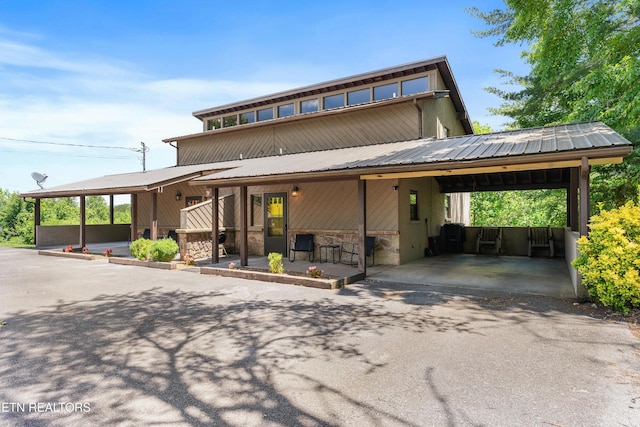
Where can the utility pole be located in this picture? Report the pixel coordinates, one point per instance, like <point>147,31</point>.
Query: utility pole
<point>144,155</point>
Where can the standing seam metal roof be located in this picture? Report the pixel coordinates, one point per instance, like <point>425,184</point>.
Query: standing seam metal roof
<point>508,144</point>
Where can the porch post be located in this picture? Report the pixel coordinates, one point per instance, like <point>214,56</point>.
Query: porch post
<point>153,220</point>
<point>572,199</point>
<point>134,216</point>
<point>244,242</point>
<point>584,197</point>
<point>83,222</point>
<point>111,209</point>
<point>215,217</point>
<point>36,221</point>
<point>362,225</point>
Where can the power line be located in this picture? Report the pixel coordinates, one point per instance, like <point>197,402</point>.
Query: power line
<point>53,153</point>
<point>68,144</point>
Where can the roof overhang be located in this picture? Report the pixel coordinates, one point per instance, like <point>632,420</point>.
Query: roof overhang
<point>128,183</point>
<point>537,149</point>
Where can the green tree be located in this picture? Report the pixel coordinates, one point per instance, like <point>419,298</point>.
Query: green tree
<point>122,214</point>
<point>585,65</point>
<point>97,210</point>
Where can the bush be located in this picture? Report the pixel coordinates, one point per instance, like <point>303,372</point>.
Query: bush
<point>609,260</point>
<point>141,248</point>
<point>164,250</point>
<point>275,263</point>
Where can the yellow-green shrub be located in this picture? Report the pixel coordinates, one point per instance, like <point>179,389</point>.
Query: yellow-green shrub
<point>164,250</point>
<point>275,263</point>
<point>609,260</point>
<point>140,248</point>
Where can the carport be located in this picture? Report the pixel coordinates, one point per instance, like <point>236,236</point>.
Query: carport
<point>537,158</point>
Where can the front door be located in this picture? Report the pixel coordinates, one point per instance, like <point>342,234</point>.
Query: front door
<point>275,223</point>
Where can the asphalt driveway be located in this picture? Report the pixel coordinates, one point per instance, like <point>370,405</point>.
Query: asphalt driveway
<point>92,343</point>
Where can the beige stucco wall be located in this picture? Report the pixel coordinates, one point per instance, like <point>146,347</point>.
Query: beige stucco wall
<point>438,114</point>
<point>413,234</point>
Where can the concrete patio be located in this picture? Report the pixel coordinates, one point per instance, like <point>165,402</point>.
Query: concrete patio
<point>520,275</point>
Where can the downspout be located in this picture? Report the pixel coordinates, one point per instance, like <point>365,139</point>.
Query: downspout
<point>415,104</point>
<point>176,147</point>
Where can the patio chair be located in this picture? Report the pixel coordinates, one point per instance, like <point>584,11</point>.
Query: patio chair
<point>221,239</point>
<point>540,237</point>
<point>302,243</point>
<point>146,234</point>
<point>489,236</point>
<point>351,249</point>
<point>172,235</point>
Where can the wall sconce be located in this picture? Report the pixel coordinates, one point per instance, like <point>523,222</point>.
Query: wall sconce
<point>395,188</point>
<point>296,191</point>
<point>178,196</point>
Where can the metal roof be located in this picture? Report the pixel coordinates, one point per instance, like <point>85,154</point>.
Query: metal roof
<point>548,144</point>
<point>496,152</point>
<point>127,183</point>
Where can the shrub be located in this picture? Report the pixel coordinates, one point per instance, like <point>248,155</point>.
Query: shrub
<point>164,250</point>
<point>141,248</point>
<point>275,263</point>
<point>609,260</point>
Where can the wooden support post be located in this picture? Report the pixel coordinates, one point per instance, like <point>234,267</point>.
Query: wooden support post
<point>362,226</point>
<point>215,231</point>
<point>36,221</point>
<point>153,220</point>
<point>572,199</point>
<point>134,217</point>
<point>111,214</point>
<point>83,222</point>
<point>244,240</point>
<point>584,197</point>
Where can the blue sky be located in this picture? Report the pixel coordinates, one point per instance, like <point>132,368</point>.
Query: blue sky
<point>115,73</point>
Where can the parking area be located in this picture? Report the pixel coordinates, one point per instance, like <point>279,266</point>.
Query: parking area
<point>123,345</point>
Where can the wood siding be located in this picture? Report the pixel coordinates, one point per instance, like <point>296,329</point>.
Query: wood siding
<point>397,122</point>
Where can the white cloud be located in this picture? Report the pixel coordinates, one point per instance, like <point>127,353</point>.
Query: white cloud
<point>65,97</point>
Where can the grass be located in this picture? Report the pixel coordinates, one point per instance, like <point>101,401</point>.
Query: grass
<point>14,244</point>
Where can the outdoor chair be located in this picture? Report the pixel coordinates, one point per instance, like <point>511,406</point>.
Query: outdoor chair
<point>302,243</point>
<point>172,235</point>
<point>351,249</point>
<point>146,234</point>
<point>221,239</point>
<point>489,236</point>
<point>540,237</point>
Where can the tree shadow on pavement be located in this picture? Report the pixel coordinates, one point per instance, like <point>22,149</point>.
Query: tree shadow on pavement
<point>193,358</point>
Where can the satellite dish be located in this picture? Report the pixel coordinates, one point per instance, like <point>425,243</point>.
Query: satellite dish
<point>39,178</point>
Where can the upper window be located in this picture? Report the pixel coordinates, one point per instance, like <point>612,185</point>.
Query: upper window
<point>413,205</point>
<point>230,121</point>
<point>214,124</point>
<point>385,92</point>
<point>338,98</point>
<point>358,97</point>
<point>285,110</point>
<point>309,106</point>
<point>410,87</point>
<point>333,101</point>
<point>247,118</point>
<point>266,114</point>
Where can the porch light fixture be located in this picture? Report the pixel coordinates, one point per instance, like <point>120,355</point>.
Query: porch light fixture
<point>296,191</point>
<point>178,196</point>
